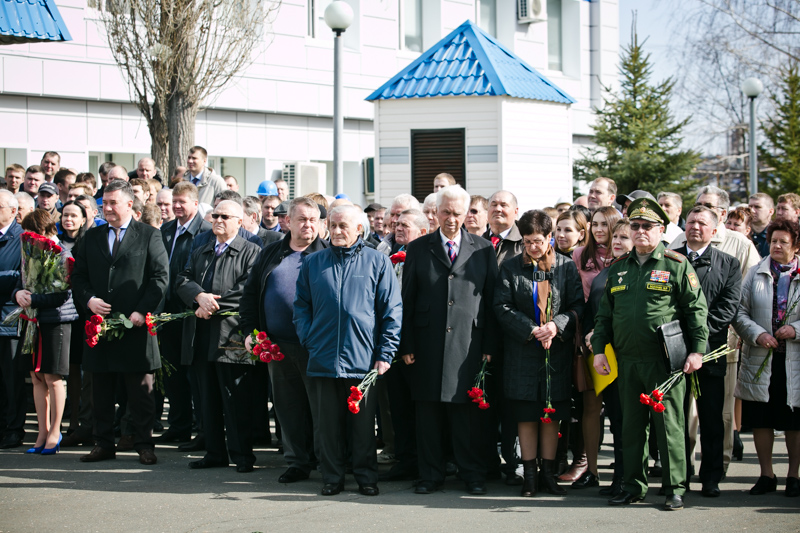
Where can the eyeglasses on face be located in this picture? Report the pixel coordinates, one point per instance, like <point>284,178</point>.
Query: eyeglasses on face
<point>707,204</point>
<point>647,226</point>
<point>215,216</point>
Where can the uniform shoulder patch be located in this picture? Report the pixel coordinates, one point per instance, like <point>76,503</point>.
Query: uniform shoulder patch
<point>675,256</point>
<point>693,280</point>
<point>620,258</point>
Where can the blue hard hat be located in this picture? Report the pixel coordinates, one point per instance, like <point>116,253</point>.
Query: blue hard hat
<point>342,196</point>
<point>267,188</point>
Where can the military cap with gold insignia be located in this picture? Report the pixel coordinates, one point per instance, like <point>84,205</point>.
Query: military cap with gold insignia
<point>647,209</point>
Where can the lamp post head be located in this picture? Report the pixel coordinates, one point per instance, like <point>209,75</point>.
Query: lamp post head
<point>338,16</point>
<point>751,87</point>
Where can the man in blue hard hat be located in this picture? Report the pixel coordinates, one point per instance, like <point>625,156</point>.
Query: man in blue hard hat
<point>267,188</point>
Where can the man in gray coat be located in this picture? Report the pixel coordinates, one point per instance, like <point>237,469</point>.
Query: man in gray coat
<point>208,182</point>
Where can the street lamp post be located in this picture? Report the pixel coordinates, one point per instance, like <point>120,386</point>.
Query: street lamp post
<point>338,17</point>
<point>752,87</point>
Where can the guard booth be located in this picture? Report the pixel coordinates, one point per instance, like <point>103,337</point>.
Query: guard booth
<point>470,107</point>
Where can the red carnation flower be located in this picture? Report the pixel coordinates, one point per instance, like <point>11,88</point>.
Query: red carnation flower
<point>483,405</point>
<point>399,257</point>
<point>659,407</point>
<point>257,350</point>
<point>89,329</point>
<point>354,408</point>
<point>96,319</point>
<point>545,419</point>
<point>277,357</point>
<point>657,395</point>
<point>262,336</point>
<point>265,357</point>
<point>274,349</point>
<point>475,392</point>
<point>645,399</point>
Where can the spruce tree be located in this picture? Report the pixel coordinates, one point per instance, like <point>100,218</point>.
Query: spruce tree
<point>637,138</point>
<point>781,151</point>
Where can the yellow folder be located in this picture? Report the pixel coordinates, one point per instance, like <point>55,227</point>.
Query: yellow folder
<point>600,381</point>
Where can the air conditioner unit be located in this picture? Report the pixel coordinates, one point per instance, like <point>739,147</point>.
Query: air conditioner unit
<point>531,11</point>
<point>368,164</point>
<point>304,178</point>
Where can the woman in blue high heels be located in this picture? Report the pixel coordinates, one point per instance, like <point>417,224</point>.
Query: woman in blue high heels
<point>50,362</point>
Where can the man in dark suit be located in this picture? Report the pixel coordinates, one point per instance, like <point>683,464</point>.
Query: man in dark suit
<point>122,267</point>
<point>13,402</point>
<point>448,329</point>
<point>178,235</point>
<point>721,280</point>
<point>211,284</point>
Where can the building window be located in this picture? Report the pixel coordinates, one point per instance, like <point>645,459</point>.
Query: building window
<point>435,151</point>
<point>316,17</point>
<point>555,53</point>
<point>411,25</point>
<point>486,13</point>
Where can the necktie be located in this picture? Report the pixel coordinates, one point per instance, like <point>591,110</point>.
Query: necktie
<point>220,247</point>
<point>115,246</point>
<point>451,251</point>
<point>495,241</point>
<point>195,181</point>
<point>693,256</point>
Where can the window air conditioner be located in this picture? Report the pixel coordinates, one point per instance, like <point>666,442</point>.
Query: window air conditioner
<point>304,178</point>
<point>531,11</point>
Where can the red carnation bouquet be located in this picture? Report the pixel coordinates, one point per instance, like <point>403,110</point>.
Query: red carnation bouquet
<point>263,349</point>
<point>654,398</point>
<point>357,393</point>
<point>478,392</point>
<point>44,271</point>
<point>115,326</point>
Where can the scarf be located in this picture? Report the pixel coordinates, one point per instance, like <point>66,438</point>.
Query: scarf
<point>784,273</point>
<point>541,289</point>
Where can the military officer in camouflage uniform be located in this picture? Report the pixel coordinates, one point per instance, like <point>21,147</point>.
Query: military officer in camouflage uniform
<point>646,288</point>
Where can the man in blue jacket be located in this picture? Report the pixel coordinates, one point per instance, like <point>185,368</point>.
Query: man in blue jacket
<point>349,321</point>
<point>12,380</point>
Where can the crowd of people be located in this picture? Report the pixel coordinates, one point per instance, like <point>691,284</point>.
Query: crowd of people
<point>484,325</point>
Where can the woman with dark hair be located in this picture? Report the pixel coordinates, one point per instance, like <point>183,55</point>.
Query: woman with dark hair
<point>72,225</point>
<point>768,322</point>
<point>55,311</point>
<point>538,300</point>
<point>571,229</point>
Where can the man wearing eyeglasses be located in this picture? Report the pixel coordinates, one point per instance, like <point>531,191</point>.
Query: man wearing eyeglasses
<point>212,284</point>
<point>646,288</point>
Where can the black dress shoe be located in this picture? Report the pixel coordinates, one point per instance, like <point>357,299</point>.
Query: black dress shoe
<point>624,498</point>
<point>711,490</point>
<point>197,444</point>
<point>673,503</point>
<point>792,487</point>
<point>426,487</point>
<point>764,485</point>
<point>332,489</point>
<point>173,436</point>
<point>207,463</point>
<point>586,481</point>
<point>399,472</point>
<point>244,469</point>
<point>292,475</point>
<point>450,469</point>
<point>613,489</point>
<point>369,490</point>
<point>98,454</point>
<point>476,488</point>
<point>10,441</point>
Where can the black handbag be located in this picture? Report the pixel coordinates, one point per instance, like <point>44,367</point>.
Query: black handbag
<point>674,343</point>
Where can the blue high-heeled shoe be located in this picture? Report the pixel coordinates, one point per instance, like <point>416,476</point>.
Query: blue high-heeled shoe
<point>37,449</point>
<point>53,451</point>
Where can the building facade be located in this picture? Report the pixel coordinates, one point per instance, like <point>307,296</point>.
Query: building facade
<point>71,97</point>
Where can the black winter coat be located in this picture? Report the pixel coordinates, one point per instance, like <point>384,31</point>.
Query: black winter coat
<point>720,277</point>
<point>230,275</point>
<point>524,375</point>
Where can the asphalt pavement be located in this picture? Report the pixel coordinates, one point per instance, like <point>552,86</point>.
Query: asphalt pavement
<point>59,493</point>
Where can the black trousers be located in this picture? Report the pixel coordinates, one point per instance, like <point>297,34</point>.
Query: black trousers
<point>712,427</point>
<point>467,435</point>
<point>227,412</point>
<point>290,391</point>
<point>333,420</point>
<point>13,402</point>
<point>403,410</point>
<point>613,410</point>
<point>141,405</point>
<point>176,385</point>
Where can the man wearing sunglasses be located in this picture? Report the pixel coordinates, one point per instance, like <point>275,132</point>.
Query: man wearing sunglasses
<point>646,288</point>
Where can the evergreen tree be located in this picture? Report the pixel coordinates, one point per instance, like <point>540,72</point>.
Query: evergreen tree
<point>781,151</point>
<point>637,137</point>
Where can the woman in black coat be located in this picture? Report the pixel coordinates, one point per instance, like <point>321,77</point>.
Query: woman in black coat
<point>538,299</point>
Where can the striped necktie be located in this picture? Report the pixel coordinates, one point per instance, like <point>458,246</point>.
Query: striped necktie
<point>451,251</point>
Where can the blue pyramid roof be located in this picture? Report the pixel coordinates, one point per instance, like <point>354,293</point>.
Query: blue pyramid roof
<point>470,62</point>
<point>30,21</point>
